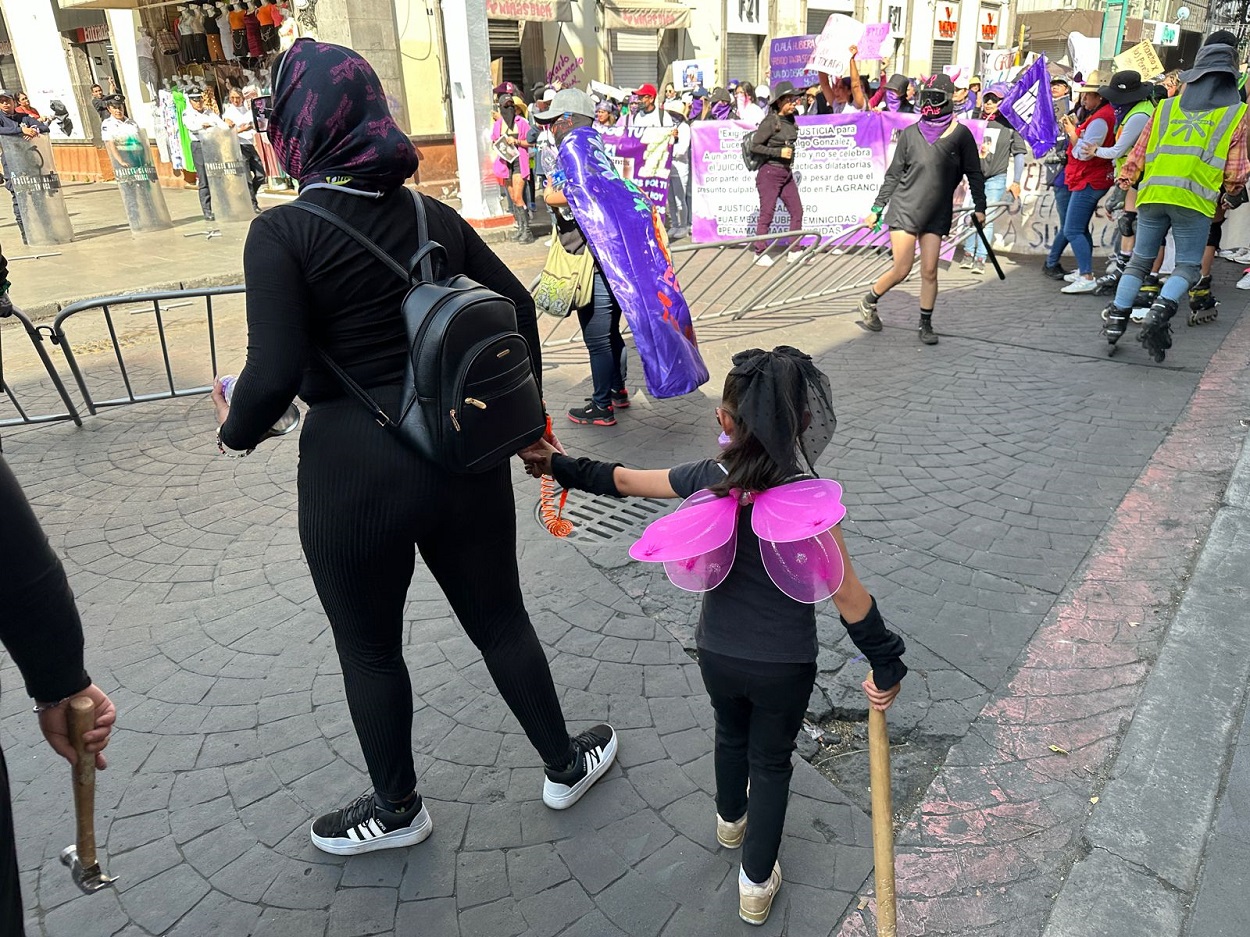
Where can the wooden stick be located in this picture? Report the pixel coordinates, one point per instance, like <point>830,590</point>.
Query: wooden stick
<point>882,820</point>
<point>81,717</point>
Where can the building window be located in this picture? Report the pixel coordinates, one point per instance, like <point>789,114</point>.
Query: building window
<point>505,48</point>
<point>943,54</point>
<point>742,57</point>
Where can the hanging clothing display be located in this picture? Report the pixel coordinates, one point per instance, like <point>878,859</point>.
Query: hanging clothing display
<point>255,45</point>
<point>199,39</point>
<point>224,30</point>
<point>212,33</point>
<point>182,136</point>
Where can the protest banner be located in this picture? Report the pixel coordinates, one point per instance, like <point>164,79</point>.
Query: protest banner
<point>643,155</point>
<point>832,53</point>
<point>997,65</point>
<point>787,61</point>
<point>870,43</point>
<point>1142,59</point>
<point>840,161</point>
<point>689,74</point>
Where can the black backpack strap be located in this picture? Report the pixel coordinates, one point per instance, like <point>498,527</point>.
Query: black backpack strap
<point>422,257</point>
<point>356,236</point>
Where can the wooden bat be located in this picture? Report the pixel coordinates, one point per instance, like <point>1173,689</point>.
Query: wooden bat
<point>882,821</point>
<point>81,718</point>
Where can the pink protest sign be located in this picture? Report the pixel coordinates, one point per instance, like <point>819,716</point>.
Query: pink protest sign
<point>870,43</point>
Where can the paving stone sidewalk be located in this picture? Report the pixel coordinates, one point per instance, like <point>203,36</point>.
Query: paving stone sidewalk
<point>978,475</point>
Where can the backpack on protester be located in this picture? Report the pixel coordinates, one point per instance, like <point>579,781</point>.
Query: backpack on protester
<point>471,396</point>
<point>753,160</point>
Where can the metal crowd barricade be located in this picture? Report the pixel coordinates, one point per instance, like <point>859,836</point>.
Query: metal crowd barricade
<point>129,372</point>
<point>24,415</point>
<point>721,278</point>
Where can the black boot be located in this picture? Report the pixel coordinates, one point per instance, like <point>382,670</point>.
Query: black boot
<point>1156,333</point>
<point>926,333</point>
<point>524,234</point>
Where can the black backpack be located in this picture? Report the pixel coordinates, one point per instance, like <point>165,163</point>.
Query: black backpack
<point>753,160</point>
<point>472,400</point>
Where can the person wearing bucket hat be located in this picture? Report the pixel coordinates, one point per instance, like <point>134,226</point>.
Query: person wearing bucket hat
<point>1086,178</point>
<point>1131,98</point>
<point>775,140</point>
<point>1191,158</point>
<point>1002,163</point>
<point>931,158</point>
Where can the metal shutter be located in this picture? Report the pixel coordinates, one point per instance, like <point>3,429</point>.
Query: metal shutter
<point>742,57</point>
<point>635,57</point>
<point>943,54</point>
<point>505,44</point>
<point>816,20</point>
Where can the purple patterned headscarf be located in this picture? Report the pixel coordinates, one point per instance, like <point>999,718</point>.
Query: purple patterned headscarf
<point>330,122</point>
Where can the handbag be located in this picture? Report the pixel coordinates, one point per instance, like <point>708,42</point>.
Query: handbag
<point>567,281</point>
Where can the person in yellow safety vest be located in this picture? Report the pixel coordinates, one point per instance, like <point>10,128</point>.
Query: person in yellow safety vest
<point>1193,147</point>
<point>1134,103</point>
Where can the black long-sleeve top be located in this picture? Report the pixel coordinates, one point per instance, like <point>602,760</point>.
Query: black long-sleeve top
<point>39,624</point>
<point>920,184</point>
<point>773,133</point>
<point>311,286</point>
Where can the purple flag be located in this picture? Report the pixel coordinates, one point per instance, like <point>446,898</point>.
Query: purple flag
<point>627,238</point>
<point>1028,108</point>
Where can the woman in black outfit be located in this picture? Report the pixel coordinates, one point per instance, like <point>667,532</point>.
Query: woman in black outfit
<point>933,154</point>
<point>365,498</point>
<point>775,140</point>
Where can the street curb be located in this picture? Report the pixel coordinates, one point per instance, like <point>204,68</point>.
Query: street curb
<point>1148,831</point>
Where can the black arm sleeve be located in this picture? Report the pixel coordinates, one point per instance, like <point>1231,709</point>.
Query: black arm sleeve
<point>764,133</point>
<point>585,474</point>
<point>483,265</point>
<point>883,648</point>
<point>972,169</point>
<point>277,338</point>
<point>894,174</point>
<point>39,624</point>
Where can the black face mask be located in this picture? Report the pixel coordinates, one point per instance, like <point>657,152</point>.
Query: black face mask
<point>508,111</point>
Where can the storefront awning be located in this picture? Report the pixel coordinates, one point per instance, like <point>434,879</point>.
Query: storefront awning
<point>645,14</point>
<point>534,11</point>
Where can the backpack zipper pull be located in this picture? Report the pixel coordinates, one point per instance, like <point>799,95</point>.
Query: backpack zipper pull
<point>454,421</point>
<point>474,402</point>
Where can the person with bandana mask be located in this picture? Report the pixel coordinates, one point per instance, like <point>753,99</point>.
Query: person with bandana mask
<point>510,138</point>
<point>893,96</point>
<point>722,107</point>
<point>367,502</point>
<point>775,140</point>
<point>932,156</point>
<point>601,319</point>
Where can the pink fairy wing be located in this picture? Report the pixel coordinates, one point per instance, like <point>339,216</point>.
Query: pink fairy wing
<point>808,570</point>
<point>798,510</point>
<point>696,543</point>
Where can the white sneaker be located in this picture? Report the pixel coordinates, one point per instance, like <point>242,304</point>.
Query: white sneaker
<point>729,834</point>
<point>596,750</point>
<point>763,260</point>
<point>1244,282</point>
<point>1229,253</point>
<point>1082,285</point>
<point>1243,256</point>
<point>793,257</point>
<point>1072,277</point>
<point>755,901</point>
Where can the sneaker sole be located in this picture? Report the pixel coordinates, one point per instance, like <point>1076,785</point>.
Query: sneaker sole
<point>563,801</point>
<point>341,846</point>
<point>759,917</point>
<point>600,422</point>
<point>620,404</point>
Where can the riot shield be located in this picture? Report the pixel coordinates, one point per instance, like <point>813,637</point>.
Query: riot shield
<point>227,174</point>
<point>31,176</point>
<point>136,179</point>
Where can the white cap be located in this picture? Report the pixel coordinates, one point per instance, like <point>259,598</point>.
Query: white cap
<point>676,106</point>
<point>962,83</point>
<point>761,91</point>
<point>549,94</point>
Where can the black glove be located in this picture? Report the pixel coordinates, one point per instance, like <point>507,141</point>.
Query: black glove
<point>883,648</point>
<point>584,474</point>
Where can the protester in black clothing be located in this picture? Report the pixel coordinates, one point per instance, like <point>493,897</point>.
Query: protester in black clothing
<point>933,154</point>
<point>41,630</point>
<point>98,102</point>
<point>775,139</point>
<point>365,498</point>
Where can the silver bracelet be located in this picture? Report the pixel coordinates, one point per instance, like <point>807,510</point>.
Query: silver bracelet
<point>44,707</point>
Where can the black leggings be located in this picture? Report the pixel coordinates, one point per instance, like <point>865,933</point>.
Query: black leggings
<point>759,710</point>
<point>364,500</point>
<point>10,885</point>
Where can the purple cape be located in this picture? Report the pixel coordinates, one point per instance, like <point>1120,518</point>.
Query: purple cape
<point>625,235</point>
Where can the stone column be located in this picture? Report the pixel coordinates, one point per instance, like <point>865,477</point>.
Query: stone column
<point>369,27</point>
<point>468,73</point>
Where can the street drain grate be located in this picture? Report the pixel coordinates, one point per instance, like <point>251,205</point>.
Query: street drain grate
<point>604,519</point>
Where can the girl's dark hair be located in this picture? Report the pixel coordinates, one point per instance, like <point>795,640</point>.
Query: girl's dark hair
<point>745,87</point>
<point>779,403</point>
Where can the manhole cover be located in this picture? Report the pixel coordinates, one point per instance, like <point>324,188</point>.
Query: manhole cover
<point>604,519</point>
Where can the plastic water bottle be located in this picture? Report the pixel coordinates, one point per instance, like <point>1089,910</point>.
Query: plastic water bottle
<point>285,424</point>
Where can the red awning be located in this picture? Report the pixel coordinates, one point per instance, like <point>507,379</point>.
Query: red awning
<point>645,14</point>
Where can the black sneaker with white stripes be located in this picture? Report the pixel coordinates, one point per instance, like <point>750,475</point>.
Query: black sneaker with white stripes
<point>364,825</point>
<point>596,750</point>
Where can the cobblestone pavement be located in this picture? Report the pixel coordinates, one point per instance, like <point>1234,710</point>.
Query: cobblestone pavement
<point>979,476</point>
